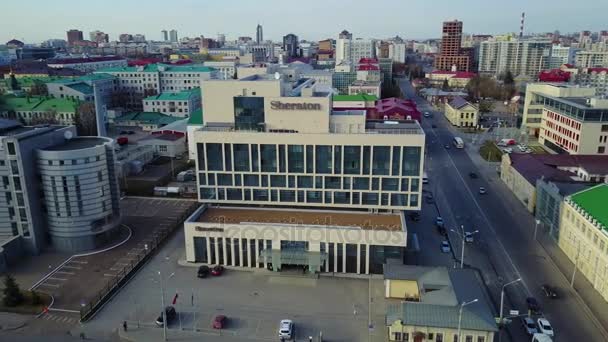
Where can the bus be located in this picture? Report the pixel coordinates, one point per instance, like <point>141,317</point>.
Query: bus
<point>458,142</point>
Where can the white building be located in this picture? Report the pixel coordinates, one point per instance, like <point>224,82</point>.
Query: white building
<point>225,68</point>
<point>166,144</point>
<point>397,52</point>
<point>591,59</point>
<point>344,47</point>
<point>175,104</point>
<point>362,48</point>
<point>561,55</point>
<point>596,78</point>
<point>521,57</point>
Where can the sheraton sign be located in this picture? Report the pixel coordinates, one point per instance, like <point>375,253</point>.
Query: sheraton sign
<point>295,106</point>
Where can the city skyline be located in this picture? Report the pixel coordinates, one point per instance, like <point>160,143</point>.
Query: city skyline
<point>404,20</point>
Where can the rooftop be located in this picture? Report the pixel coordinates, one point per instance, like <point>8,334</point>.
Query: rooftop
<point>593,201</point>
<point>78,143</point>
<point>37,103</point>
<point>459,102</point>
<point>158,67</point>
<point>164,136</point>
<point>390,222</point>
<point>181,96</point>
<point>149,118</point>
<point>357,97</point>
<point>550,166</point>
<point>85,78</point>
<point>82,88</point>
<point>196,117</point>
<point>85,60</point>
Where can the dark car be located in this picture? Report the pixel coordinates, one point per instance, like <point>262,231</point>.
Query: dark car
<point>434,126</point>
<point>429,198</point>
<point>170,313</point>
<point>219,322</point>
<point>203,271</point>
<point>130,132</point>
<point>533,304</point>
<point>549,291</point>
<point>217,270</point>
<point>473,175</point>
<point>124,132</point>
<point>415,216</point>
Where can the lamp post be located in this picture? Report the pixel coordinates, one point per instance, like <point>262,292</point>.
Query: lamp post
<point>463,238</point>
<point>537,221</point>
<point>502,296</point>
<point>162,303</point>
<point>460,314</point>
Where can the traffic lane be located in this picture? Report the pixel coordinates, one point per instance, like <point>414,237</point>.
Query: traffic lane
<point>531,261</point>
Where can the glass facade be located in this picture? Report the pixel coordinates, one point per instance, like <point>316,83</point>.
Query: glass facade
<point>382,177</point>
<point>248,113</point>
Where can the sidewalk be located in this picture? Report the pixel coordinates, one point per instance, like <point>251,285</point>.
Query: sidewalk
<point>13,321</point>
<point>149,334</point>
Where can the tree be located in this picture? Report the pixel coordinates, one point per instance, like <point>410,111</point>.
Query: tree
<point>486,106</point>
<point>85,119</point>
<point>445,86</point>
<point>36,300</point>
<point>39,89</point>
<point>12,293</point>
<point>508,79</point>
<point>46,118</point>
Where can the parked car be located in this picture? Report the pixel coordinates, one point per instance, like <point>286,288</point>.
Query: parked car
<point>427,114</point>
<point>415,216</point>
<point>445,247</point>
<point>219,322</point>
<point>203,271</point>
<point>508,150</point>
<point>533,304</point>
<point>473,175</point>
<point>544,327</point>
<point>439,221</point>
<point>468,237</point>
<point>123,132</point>
<point>482,190</point>
<point>130,132</point>
<point>549,291</point>
<point>170,313</point>
<point>217,270</point>
<point>286,329</point>
<point>529,325</point>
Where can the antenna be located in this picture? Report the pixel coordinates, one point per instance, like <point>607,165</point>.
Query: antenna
<point>521,26</point>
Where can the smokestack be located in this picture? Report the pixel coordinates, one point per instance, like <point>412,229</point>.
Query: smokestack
<point>521,26</point>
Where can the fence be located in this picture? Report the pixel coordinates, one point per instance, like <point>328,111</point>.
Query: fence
<point>88,310</point>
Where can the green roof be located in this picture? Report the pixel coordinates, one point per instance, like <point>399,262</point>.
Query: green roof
<point>38,104</point>
<point>81,87</point>
<point>149,118</point>
<point>27,82</point>
<point>196,117</point>
<point>593,201</point>
<point>85,78</point>
<point>357,97</point>
<point>181,96</point>
<point>155,68</point>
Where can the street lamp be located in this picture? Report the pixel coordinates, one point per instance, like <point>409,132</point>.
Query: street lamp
<point>460,314</point>
<point>463,237</point>
<point>162,303</point>
<point>502,296</point>
<point>537,221</point>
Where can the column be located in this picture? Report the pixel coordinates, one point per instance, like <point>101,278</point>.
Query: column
<point>358,259</point>
<point>224,251</point>
<point>233,259</point>
<point>249,252</point>
<point>344,257</point>
<point>335,257</point>
<point>217,252</point>
<point>240,253</point>
<point>208,250</point>
<point>257,253</point>
<point>367,249</point>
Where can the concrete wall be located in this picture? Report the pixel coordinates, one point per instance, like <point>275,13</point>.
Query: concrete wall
<point>303,121</point>
<point>448,334</point>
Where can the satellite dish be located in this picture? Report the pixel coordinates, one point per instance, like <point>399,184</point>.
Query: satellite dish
<point>68,135</point>
<point>277,76</point>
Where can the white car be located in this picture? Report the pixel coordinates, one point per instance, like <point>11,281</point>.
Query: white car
<point>521,148</point>
<point>427,114</point>
<point>286,329</point>
<point>544,327</point>
<point>482,190</point>
<point>508,150</point>
<point>445,247</point>
<point>468,237</point>
<point>529,326</point>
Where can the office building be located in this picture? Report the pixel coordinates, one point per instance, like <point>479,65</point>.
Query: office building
<point>584,235</point>
<point>344,47</point>
<point>520,57</point>
<point>173,36</point>
<point>591,59</point>
<point>397,52</point>
<point>362,48</point>
<point>268,142</point>
<point>342,79</point>
<point>451,55</point>
<point>225,68</point>
<point>462,113</point>
<point>74,36</point>
<point>533,106</point>
<point>584,39</point>
<point>175,104</point>
<point>290,45</point>
<point>259,34</point>
<point>164,35</point>
<point>221,40</point>
<point>56,185</point>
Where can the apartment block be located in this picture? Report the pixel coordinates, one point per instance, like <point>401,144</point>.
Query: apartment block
<point>180,104</point>
<point>520,57</point>
<point>591,59</point>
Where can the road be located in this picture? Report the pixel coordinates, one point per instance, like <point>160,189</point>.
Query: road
<point>504,249</point>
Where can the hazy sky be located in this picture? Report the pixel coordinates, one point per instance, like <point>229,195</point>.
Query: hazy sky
<point>37,20</point>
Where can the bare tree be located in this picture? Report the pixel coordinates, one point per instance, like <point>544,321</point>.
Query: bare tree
<point>38,89</point>
<point>46,118</point>
<point>85,119</point>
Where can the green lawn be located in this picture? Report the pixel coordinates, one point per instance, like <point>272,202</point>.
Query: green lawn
<point>490,152</point>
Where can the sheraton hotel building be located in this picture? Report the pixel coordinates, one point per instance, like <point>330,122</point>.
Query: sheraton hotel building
<point>286,181</point>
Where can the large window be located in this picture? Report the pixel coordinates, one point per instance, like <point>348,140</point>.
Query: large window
<point>227,157</point>
<point>269,158</point>
<point>295,155</point>
<point>214,157</point>
<point>241,157</point>
<point>323,159</point>
<point>410,165</point>
<point>352,160</point>
<point>381,160</point>
<point>200,151</point>
<point>249,113</point>
<point>255,167</point>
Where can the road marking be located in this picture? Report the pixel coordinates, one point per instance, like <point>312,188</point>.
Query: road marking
<point>74,267</point>
<point>47,284</point>
<point>79,262</point>
<point>110,275</point>
<point>60,279</point>
<point>65,272</point>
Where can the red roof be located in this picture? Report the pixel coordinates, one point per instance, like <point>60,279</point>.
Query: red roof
<point>368,67</point>
<point>144,61</point>
<point>554,75</point>
<point>85,60</point>
<point>598,70</point>
<point>368,61</point>
<point>394,109</point>
<point>457,74</point>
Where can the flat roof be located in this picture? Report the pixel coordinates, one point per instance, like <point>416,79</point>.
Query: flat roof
<point>390,222</point>
<point>593,201</point>
<point>77,143</point>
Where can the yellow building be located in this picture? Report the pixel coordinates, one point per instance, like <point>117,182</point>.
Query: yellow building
<point>424,305</point>
<point>462,113</point>
<point>584,235</point>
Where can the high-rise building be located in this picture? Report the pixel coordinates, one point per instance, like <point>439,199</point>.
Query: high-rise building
<point>591,59</point>
<point>125,37</point>
<point>99,37</point>
<point>139,38</point>
<point>451,54</point>
<point>173,36</point>
<point>290,45</point>
<point>561,55</point>
<point>259,34</point>
<point>362,48</point>
<point>74,36</point>
<point>221,39</point>
<point>525,57</point>
<point>603,37</point>
<point>56,186</point>
<point>344,47</point>
<point>164,35</point>
<point>397,52</point>
<point>596,78</point>
<point>584,39</point>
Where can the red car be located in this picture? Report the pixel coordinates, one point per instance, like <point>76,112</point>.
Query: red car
<point>219,322</point>
<point>217,270</point>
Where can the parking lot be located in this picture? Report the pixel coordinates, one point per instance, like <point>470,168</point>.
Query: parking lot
<point>254,302</point>
<point>81,277</point>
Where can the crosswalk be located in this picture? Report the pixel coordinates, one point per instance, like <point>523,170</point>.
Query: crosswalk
<point>60,318</point>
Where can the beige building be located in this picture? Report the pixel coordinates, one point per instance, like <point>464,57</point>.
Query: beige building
<point>534,101</point>
<point>365,87</point>
<point>584,235</point>
<point>424,305</point>
<point>591,59</point>
<point>462,113</point>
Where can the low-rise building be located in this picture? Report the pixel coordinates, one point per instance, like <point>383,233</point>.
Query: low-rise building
<point>166,144</point>
<point>584,235</point>
<point>176,104</point>
<point>33,110</point>
<point>424,304</point>
<point>147,121</point>
<point>354,102</point>
<point>456,79</point>
<point>365,87</point>
<point>225,68</point>
<point>462,113</point>
<point>395,109</point>
<point>88,64</point>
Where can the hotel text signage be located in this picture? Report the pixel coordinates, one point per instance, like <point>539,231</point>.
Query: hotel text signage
<point>295,106</point>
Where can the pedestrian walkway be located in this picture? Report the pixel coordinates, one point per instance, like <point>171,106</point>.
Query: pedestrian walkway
<point>12,321</point>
